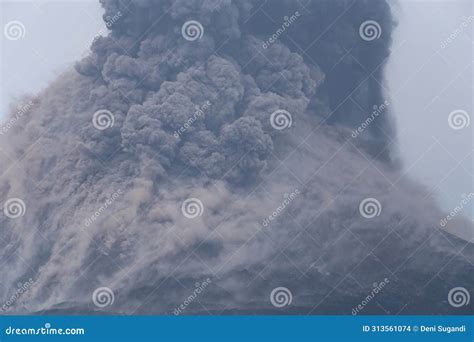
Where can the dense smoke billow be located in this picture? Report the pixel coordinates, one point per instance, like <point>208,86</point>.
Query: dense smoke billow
<point>185,117</point>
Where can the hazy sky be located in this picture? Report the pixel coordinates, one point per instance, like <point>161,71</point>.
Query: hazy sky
<point>57,33</point>
<point>425,81</point>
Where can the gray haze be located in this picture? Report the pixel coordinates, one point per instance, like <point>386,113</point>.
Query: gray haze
<point>233,160</point>
<point>428,76</point>
<point>28,64</point>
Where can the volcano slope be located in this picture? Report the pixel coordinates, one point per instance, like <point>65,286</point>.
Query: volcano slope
<point>212,142</point>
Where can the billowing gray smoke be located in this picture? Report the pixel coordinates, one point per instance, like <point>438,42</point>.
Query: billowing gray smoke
<point>183,116</point>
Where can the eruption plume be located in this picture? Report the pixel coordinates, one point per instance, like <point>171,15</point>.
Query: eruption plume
<point>210,141</point>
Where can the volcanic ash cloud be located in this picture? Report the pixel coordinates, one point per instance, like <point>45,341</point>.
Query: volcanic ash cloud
<point>170,156</point>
